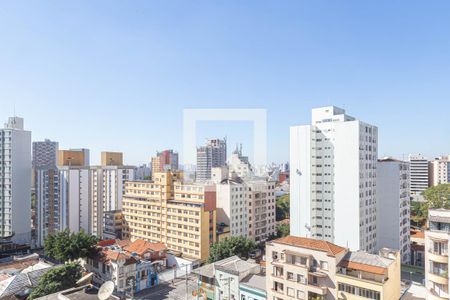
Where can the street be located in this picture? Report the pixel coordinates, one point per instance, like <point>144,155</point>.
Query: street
<point>167,290</point>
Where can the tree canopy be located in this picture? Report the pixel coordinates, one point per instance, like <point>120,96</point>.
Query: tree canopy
<point>283,230</point>
<point>282,207</point>
<point>66,246</point>
<point>58,279</point>
<point>236,245</point>
<point>435,197</point>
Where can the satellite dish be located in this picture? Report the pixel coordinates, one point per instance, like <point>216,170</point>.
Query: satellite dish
<point>106,290</point>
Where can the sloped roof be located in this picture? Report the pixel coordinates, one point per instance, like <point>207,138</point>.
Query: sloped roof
<point>363,261</point>
<point>313,244</point>
<point>22,281</point>
<point>140,247</point>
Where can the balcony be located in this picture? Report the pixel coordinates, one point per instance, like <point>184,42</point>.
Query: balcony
<point>436,256</point>
<point>433,295</point>
<point>438,277</point>
<point>317,289</point>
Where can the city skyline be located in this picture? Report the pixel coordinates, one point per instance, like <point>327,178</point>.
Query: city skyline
<point>107,82</point>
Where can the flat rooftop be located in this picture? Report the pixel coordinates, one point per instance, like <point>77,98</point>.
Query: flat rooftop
<point>80,293</point>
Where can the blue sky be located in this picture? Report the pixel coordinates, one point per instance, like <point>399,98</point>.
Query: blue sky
<point>116,75</point>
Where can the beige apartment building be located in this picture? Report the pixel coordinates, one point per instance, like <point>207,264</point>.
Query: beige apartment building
<point>111,158</point>
<point>165,210</point>
<point>437,239</point>
<point>310,269</point>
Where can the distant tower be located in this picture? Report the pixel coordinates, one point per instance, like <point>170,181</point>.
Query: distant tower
<point>212,155</point>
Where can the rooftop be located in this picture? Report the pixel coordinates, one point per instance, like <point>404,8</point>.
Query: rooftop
<point>256,281</point>
<point>87,292</point>
<point>140,247</point>
<point>232,264</point>
<point>363,261</point>
<point>313,244</point>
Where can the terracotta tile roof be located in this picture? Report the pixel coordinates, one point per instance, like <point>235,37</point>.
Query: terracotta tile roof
<point>106,243</point>
<point>330,248</point>
<point>123,243</point>
<point>417,234</point>
<point>140,247</point>
<point>362,267</point>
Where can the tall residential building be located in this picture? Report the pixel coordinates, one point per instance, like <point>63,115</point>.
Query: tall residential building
<point>78,197</point>
<point>304,268</point>
<point>333,179</point>
<point>419,178</point>
<point>166,160</point>
<point>165,210</point>
<point>437,242</point>
<point>15,181</point>
<point>73,158</point>
<point>393,225</point>
<point>107,189</point>
<point>246,207</point>
<point>112,159</point>
<point>440,170</point>
<point>212,155</point>
<point>143,172</point>
<point>44,154</point>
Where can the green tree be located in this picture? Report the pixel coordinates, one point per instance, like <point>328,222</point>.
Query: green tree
<point>57,279</point>
<point>66,246</point>
<point>438,196</point>
<point>283,230</point>
<point>282,207</point>
<point>435,197</point>
<point>236,245</point>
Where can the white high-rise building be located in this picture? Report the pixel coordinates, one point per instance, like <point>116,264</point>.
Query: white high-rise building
<point>393,198</point>
<point>419,179</point>
<point>333,179</point>
<point>440,170</point>
<point>212,155</point>
<point>77,197</point>
<point>15,181</point>
<point>240,164</point>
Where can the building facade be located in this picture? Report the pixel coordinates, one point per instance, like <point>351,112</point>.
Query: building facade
<point>304,268</point>
<point>45,154</point>
<point>112,158</point>
<point>15,182</point>
<point>166,160</point>
<point>419,178</point>
<point>393,207</point>
<point>77,198</point>
<point>437,242</point>
<point>440,170</point>
<point>165,210</point>
<point>333,179</point>
<point>212,155</point>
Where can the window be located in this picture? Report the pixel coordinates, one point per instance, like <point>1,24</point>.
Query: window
<point>290,292</point>
<point>290,276</point>
<point>300,294</point>
<point>324,265</point>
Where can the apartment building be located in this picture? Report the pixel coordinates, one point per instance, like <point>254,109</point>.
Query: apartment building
<point>437,239</point>
<point>111,158</point>
<point>440,170</point>
<point>15,182</point>
<point>112,225</point>
<point>246,207</point>
<point>182,216</point>
<point>77,197</point>
<point>239,164</point>
<point>393,206</point>
<point>302,268</point>
<point>106,191</point>
<point>166,160</point>
<point>333,179</point>
<point>419,169</point>
<point>212,155</point>
<point>261,209</point>
<point>305,268</point>
<point>45,154</point>
<point>362,275</point>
